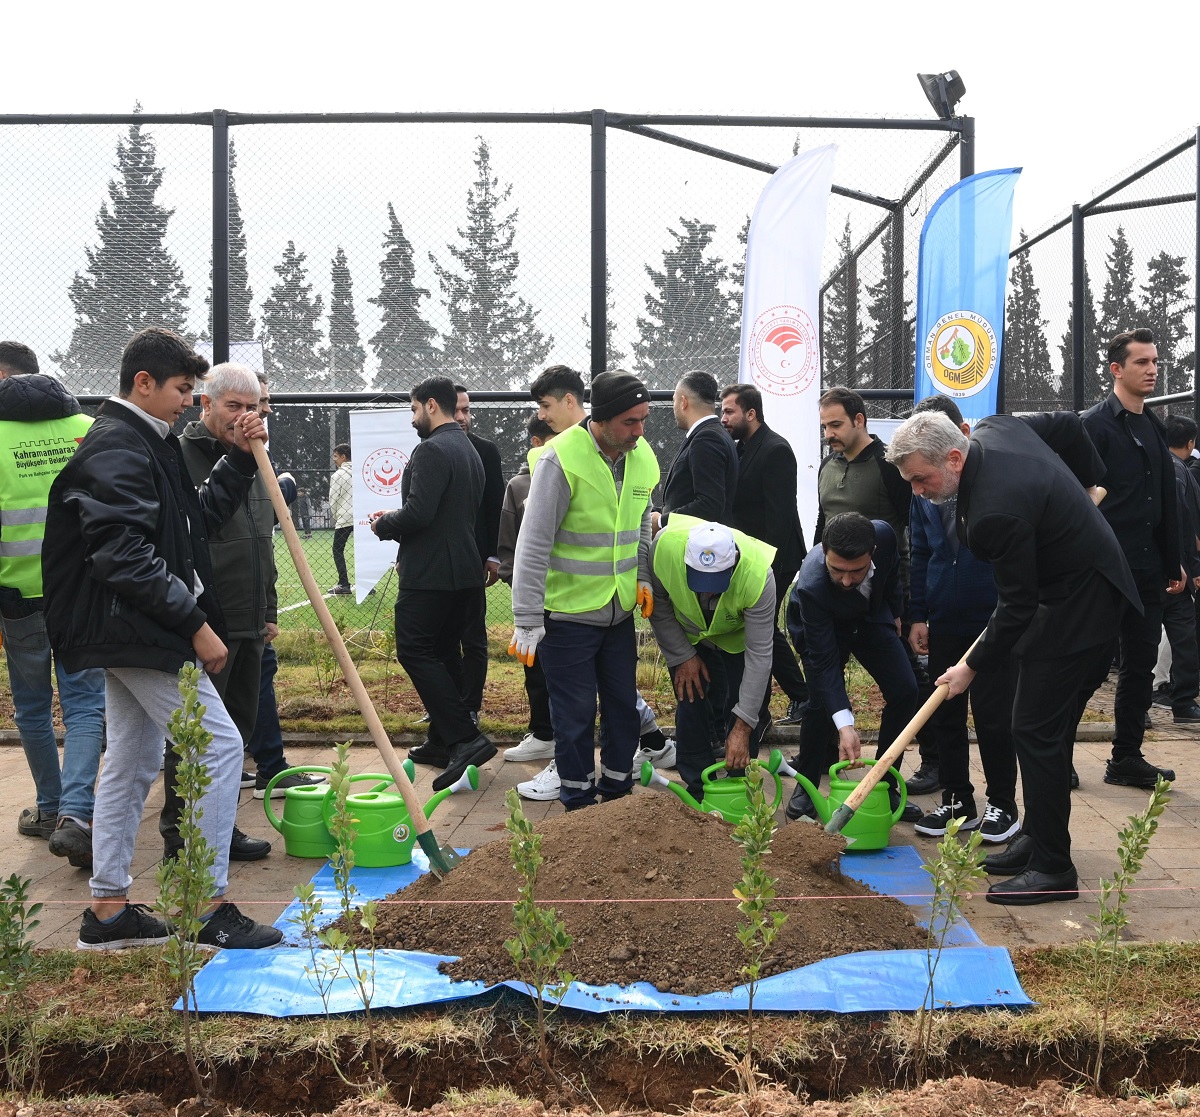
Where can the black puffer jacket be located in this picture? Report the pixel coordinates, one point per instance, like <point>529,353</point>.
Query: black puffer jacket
<point>242,550</point>
<point>35,398</point>
<point>126,535</point>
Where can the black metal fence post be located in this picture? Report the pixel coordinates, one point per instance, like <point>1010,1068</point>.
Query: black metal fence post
<point>966,148</point>
<point>898,349</point>
<point>599,313</point>
<point>220,228</point>
<point>1078,309</point>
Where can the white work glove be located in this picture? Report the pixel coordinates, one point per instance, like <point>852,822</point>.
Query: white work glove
<point>524,643</point>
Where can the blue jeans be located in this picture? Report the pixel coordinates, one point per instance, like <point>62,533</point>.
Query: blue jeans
<point>581,662</point>
<point>266,742</point>
<point>71,791</point>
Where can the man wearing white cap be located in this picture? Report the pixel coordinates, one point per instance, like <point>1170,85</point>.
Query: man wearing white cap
<point>714,620</point>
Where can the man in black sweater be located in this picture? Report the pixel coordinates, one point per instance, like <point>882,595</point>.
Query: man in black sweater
<point>441,579</point>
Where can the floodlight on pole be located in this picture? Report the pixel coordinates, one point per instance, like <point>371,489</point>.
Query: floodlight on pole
<point>944,91</point>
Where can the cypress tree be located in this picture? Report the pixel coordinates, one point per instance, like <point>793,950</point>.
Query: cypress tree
<point>403,344</point>
<point>1027,370</point>
<point>346,354</point>
<point>1166,309</point>
<point>1118,309</point>
<point>840,326</point>
<point>291,333</point>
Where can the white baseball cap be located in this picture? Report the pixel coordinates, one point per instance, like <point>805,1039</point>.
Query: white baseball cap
<point>710,555</point>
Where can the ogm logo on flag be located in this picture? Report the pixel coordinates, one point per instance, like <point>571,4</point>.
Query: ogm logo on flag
<point>960,353</point>
<point>783,351</point>
<point>382,470</point>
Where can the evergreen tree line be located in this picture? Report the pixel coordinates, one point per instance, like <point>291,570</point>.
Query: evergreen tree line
<point>692,316</point>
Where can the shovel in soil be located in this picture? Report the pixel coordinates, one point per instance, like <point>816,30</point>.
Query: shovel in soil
<point>854,800</point>
<point>441,858</point>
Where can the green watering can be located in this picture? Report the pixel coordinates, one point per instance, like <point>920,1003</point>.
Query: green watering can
<point>726,797</point>
<point>303,821</point>
<point>872,822</point>
<point>385,834</point>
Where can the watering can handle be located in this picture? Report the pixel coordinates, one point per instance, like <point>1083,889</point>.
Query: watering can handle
<point>378,734</point>
<point>272,817</point>
<point>891,757</point>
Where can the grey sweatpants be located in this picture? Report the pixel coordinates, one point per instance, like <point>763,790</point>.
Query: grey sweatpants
<point>139,704</point>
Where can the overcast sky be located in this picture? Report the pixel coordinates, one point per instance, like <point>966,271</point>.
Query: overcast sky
<point>1072,95</point>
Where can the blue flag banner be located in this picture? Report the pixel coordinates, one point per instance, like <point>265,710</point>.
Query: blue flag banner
<point>962,269</point>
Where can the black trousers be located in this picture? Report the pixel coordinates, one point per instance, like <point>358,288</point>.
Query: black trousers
<point>341,536</point>
<point>784,668</point>
<point>539,702</point>
<point>475,656</point>
<point>429,628</point>
<point>1139,634</point>
<point>1047,705</point>
<point>878,649</point>
<point>991,698</point>
<point>1180,621</point>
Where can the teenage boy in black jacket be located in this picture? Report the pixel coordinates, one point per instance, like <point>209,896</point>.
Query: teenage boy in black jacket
<point>128,587</point>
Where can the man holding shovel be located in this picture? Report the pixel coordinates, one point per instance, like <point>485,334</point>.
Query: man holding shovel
<point>1062,586</point>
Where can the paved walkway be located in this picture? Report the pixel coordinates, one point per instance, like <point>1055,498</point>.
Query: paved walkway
<point>1164,906</point>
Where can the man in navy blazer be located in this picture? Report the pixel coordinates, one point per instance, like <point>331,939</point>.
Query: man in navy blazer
<point>847,601</point>
<point>703,477</point>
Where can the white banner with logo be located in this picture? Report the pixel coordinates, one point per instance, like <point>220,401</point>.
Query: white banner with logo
<point>781,341</point>
<point>381,443</point>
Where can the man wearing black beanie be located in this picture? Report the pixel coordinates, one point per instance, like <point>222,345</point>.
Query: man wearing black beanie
<point>581,566</point>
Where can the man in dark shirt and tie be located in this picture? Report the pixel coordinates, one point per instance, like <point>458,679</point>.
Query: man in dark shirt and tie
<point>1141,509</point>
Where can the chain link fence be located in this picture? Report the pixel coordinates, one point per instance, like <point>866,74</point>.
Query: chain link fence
<point>1123,259</point>
<point>363,253</point>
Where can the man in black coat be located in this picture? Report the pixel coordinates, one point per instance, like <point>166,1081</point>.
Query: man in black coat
<point>764,506</point>
<point>441,579</point>
<point>1141,509</point>
<point>703,477</point>
<point>1062,585</point>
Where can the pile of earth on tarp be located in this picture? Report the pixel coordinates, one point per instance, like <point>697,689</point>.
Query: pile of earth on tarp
<point>657,878</point>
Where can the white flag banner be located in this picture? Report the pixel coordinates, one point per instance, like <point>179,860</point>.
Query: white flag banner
<point>381,442</point>
<point>781,340</point>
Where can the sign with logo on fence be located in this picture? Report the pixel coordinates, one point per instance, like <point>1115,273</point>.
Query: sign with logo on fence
<point>781,343</point>
<point>381,443</point>
<point>961,274</point>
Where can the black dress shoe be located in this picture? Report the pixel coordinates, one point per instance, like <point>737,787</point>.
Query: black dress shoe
<point>1135,771</point>
<point>1146,722</point>
<point>428,753</point>
<point>478,751</point>
<point>1074,779</point>
<point>1012,859</point>
<point>924,780</point>
<point>1186,715</point>
<point>242,847</point>
<point>800,806</point>
<point>1032,887</point>
<point>796,710</point>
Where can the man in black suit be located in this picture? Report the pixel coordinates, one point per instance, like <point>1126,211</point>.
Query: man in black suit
<point>487,536</point>
<point>764,506</point>
<point>1062,585</point>
<point>847,601</point>
<point>441,580</point>
<point>703,477</point>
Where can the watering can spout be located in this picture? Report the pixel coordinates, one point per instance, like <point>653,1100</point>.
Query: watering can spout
<point>651,777</point>
<point>819,802</point>
<point>468,781</point>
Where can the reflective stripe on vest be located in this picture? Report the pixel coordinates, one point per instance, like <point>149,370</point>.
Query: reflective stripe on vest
<point>31,456</point>
<point>728,627</point>
<point>594,555</point>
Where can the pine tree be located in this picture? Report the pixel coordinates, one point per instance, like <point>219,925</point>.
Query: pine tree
<point>1027,371</point>
<point>403,344</point>
<point>1166,309</point>
<point>1095,377</point>
<point>691,322</point>
<point>346,354</point>
<point>131,280</point>
<point>291,333</point>
<point>493,336</point>
<point>878,367</point>
<point>841,328</point>
<point>241,321</point>
<point>1118,310</point>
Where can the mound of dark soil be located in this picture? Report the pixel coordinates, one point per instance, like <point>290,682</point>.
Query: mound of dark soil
<point>645,888</point>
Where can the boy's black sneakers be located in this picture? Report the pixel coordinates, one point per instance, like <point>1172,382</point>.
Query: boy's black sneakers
<point>137,925</point>
<point>228,929</point>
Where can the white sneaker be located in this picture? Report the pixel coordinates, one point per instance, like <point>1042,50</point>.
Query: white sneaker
<point>531,748</point>
<point>543,787</point>
<point>660,758</point>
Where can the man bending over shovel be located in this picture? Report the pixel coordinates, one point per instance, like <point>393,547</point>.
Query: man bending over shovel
<point>1062,583</point>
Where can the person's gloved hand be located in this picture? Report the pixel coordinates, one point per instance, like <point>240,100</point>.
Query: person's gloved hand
<point>645,598</point>
<point>524,643</point>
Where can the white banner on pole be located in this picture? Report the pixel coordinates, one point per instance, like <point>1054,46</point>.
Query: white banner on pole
<point>381,443</point>
<point>781,341</point>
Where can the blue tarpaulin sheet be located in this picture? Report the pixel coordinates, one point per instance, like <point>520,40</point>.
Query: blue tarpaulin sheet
<point>284,981</point>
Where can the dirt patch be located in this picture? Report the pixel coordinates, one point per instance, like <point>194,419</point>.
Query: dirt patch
<point>645,888</point>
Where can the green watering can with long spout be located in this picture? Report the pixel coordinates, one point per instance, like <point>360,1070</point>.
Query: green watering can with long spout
<point>872,822</point>
<point>724,796</point>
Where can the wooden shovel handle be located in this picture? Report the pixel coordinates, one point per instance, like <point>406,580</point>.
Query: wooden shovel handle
<point>408,793</point>
<point>875,773</point>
